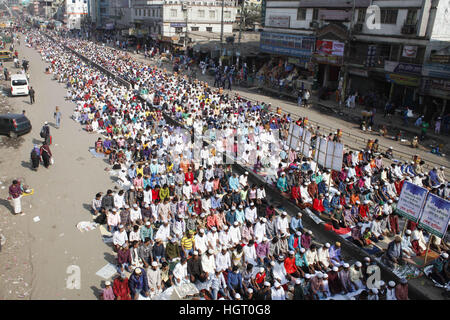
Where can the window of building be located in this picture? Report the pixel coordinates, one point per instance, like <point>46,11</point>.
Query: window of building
<point>361,15</point>
<point>194,28</point>
<point>301,14</point>
<point>212,14</point>
<point>315,14</point>
<point>209,29</point>
<point>102,10</point>
<point>173,12</point>
<point>135,12</point>
<point>227,14</point>
<point>411,18</point>
<point>389,16</point>
<point>201,13</point>
<point>178,29</point>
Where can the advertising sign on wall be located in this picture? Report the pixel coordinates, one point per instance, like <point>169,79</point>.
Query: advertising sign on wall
<point>330,48</point>
<point>287,44</point>
<point>279,21</point>
<point>409,51</point>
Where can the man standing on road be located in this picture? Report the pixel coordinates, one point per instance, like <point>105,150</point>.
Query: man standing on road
<point>15,191</point>
<point>31,92</point>
<point>57,116</point>
<point>5,73</point>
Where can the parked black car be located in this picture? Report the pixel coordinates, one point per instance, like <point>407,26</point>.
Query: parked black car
<point>14,125</point>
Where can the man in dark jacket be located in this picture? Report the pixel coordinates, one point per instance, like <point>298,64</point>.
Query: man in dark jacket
<point>108,200</point>
<point>195,269</point>
<point>394,253</point>
<point>138,283</point>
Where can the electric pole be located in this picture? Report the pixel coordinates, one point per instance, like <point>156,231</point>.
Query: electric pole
<point>221,33</point>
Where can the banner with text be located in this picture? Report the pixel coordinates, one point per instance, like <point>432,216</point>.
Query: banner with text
<point>411,201</point>
<point>436,215</point>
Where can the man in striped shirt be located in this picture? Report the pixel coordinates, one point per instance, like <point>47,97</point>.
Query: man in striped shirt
<point>187,243</point>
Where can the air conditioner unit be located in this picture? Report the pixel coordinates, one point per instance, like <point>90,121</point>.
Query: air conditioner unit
<point>358,27</point>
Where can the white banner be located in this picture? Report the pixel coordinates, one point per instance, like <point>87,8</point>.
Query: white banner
<point>436,215</point>
<point>321,150</point>
<point>330,151</point>
<point>338,156</point>
<point>306,143</point>
<point>411,201</point>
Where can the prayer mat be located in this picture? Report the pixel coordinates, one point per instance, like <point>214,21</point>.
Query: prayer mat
<point>329,227</point>
<point>95,154</point>
<point>372,250</point>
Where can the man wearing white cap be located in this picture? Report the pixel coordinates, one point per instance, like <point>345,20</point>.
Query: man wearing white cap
<point>344,276</point>
<point>235,233</point>
<point>250,253</point>
<point>180,273</point>
<point>154,279</point>
<point>323,256</point>
<point>406,244</point>
<point>296,223</point>
<point>163,232</point>
<point>441,269</point>
<point>277,292</point>
<point>120,237</point>
<point>260,230</point>
<point>279,271</point>
<point>356,276</point>
<point>212,239</point>
<point>209,262</point>
<point>390,292</point>
<point>373,294</point>
<point>107,292</point>
<point>251,213</point>
<point>200,242</point>
<point>224,236</point>
<point>223,259</point>
<point>282,223</point>
<point>135,214</point>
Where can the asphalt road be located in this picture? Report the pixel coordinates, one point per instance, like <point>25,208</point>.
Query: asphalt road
<point>36,255</point>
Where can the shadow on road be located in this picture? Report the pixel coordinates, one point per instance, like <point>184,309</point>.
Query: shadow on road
<point>87,206</point>
<point>26,164</point>
<point>36,141</point>
<point>110,258</point>
<point>96,291</point>
<point>7,205</point>
<point>27,102</point>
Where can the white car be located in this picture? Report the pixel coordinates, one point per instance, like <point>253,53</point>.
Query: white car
<point>19,85</point>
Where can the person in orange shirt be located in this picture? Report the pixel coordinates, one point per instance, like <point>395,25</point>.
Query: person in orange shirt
<point>354,197</point>
<point>211,220</point>
<point>289,265</point>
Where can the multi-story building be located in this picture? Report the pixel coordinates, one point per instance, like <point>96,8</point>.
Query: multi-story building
<point>76,10</point>
<point>110,14</point>
<point>172,20</point>
<point>379,46</point>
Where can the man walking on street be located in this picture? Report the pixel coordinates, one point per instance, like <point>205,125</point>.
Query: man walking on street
<point>31,92</point>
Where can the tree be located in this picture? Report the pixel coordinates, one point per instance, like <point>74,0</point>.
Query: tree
<point>250,15</point>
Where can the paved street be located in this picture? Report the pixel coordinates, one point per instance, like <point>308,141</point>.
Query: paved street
<point>37,254</point>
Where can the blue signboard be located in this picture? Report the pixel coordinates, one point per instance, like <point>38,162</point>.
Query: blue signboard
<point>288,44</point>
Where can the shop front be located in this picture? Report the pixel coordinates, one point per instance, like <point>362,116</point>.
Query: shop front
<point>435,87</point>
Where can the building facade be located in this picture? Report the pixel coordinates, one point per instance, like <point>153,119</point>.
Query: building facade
<point>395,49</point>
<point>182,22</point>
<point>76,11</point>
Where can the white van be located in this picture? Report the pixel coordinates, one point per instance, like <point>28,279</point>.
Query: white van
<point>19,85</point>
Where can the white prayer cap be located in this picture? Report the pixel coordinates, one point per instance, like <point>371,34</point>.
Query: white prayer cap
<point>261,270</point>
<point>195,253</point>
<point>444,255</point>
<point>252,204</point>
<point>265,239</point>
<point>335,268</point>
<point>327,245</point>
<point>291,252</point>
<point>214,229</point>
<point>225,227</point>
<point>138,270</point>
<point>284,213</point>
<point>154,264</point>
<point>233,208</point>
<point>374,290</point>
<point>302,250</point>
<point>366,201</point>
<point>358,264</point>
<point>408,231</point>
<point>237,296</point>
<point>266,284</point>
<point>132,187</point>
<point>391,284</point>
<point>403,280</point>
<point>250,290</point>
<point>307,276</point>
<point>107,283</point>
<point>298,281</point>
<point>126,206</point>
<point>236,223</point>
<point>367,259</point>
<point>277,284</point>
<point>298,233</point>
<point>382,283</point>
<point>309,232</point>
<point>264,220</point>
<point>272,263</point>
<point>299,214</point>
<point>241,206</point>
<point>390,201</point>
<point>202,230</point>
<point>147,223</point>
<point>210,251</point>
<point>121,226</point>
<point>320,275</point>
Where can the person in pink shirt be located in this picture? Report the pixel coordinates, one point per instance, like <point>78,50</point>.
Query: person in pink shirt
<point>138,182</point>
<point>107,293</point>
